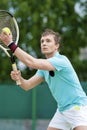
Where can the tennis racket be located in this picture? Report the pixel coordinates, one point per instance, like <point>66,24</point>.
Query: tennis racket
<point>9,21</point>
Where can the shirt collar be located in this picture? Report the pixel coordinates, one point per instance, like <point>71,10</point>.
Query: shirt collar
<point>56,54</point>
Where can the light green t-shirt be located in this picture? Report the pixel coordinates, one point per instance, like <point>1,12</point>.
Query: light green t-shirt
<point>64,85</point>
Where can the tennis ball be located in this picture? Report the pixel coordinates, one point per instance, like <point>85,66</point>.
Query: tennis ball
<point>6,30</point>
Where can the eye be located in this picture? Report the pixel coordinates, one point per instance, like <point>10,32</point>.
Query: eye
<point>47,40</point>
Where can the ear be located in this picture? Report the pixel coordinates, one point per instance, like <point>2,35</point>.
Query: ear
<point>57,45</point>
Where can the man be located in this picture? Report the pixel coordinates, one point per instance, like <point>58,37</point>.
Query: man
<point>62,80</point>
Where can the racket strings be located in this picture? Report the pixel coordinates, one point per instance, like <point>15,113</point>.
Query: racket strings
<point>6,20</point>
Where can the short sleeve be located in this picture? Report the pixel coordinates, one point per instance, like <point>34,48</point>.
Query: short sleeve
<point>58,62</point>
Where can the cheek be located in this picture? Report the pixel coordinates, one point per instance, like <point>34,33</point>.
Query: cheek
<point>53,47</point>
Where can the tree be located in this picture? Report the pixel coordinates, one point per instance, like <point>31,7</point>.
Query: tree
<point>34,16</point>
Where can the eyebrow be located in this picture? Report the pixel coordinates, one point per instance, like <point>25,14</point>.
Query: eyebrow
<point>46,39</point>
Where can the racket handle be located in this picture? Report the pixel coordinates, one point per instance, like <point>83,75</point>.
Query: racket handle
<point>14,66</point>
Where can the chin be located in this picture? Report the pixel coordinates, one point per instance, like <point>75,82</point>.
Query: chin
<point>45,53</point>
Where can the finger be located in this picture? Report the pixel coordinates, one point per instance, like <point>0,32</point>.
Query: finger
<point>14,77</point>
<point>15,74</point>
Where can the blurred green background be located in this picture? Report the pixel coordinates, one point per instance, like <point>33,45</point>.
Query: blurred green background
<point>69,18</point>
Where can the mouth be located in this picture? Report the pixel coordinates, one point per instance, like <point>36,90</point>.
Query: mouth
<point>44,48</point>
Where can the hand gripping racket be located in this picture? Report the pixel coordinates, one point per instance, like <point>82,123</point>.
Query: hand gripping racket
<point>8,20</point>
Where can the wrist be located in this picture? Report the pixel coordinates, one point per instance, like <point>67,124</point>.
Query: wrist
<point>12,46</point>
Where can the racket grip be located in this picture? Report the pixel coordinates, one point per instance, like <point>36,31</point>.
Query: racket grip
<point>14,66</point>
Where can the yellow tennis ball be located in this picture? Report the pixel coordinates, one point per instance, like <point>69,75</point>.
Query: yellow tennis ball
<point>6,30</point>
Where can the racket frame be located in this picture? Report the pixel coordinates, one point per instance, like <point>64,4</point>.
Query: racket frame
<point>11,56</point>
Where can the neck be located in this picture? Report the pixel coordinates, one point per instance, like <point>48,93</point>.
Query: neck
<point>50,55</point>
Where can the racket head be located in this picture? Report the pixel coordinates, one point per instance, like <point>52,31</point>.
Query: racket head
<point>8,20</point>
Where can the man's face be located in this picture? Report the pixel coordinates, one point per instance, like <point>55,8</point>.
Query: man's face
<point>48,45</point>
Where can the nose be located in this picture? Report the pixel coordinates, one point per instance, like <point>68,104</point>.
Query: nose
<point>43,43</point>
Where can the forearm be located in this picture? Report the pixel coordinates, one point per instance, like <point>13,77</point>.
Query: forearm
<point>23,84</point>
<point>29,60</point>
<point>31,82</point>
<point>24,57</point>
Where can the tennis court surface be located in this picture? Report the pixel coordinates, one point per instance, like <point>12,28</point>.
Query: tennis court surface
<point>22,124</point>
